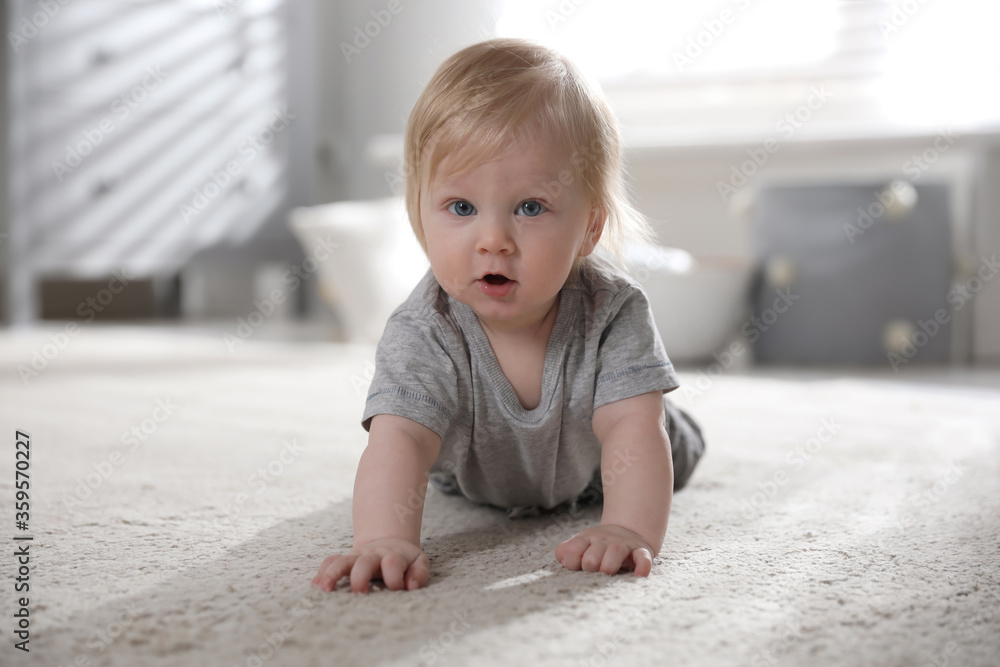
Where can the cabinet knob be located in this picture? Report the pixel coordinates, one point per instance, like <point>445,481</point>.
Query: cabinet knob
<point>101,56</point>
<point>104,186</point>
<point>899,199</point>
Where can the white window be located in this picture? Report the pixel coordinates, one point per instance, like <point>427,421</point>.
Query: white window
<point>674,66</point>
<point>146,131</point>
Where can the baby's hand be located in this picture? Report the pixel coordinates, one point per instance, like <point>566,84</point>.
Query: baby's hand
<point>607,549</point>
<point>399,563</point>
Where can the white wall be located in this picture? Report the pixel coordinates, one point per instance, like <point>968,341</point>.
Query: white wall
<point>374,92</point>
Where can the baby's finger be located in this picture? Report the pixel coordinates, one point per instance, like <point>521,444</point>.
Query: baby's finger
<point>643,561</point>
<point>419,573</point>
<point>591,561</point>
<point>320,572</point>
<point>570,552</point>
<point>364,569</point>
<point>393,568</point>
<point>333,569</point>
<point>614,557</point>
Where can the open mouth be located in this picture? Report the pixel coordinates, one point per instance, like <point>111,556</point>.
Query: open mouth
<point>496,285</point>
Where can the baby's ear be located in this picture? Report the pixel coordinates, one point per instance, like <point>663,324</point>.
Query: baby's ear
<point>595,228</point>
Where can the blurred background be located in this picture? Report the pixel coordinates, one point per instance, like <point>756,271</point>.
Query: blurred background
<point>823,177</point>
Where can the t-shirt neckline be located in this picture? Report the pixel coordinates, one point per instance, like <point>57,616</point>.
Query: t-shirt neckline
<point>554,355</point>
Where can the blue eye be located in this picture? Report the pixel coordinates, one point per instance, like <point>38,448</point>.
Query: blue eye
<point>531,208</point>
<point>461,208</point>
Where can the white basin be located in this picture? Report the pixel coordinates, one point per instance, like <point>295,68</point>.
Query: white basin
<point>376,265</point>
<point>698,303</point>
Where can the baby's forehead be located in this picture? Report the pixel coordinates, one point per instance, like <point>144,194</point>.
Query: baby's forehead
<point>530,160</point>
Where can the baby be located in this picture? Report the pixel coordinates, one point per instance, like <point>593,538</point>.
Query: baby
<point>525,370</point>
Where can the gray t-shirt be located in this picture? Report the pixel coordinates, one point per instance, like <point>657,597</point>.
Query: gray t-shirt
<point>434,365</point>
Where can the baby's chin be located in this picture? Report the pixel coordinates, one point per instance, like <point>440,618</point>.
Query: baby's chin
<point>514,317</point>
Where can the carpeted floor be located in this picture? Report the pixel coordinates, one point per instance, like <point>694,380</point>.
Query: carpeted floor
<point>183,495</point>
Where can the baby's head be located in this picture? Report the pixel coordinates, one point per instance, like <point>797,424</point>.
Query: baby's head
<point>487,97</point>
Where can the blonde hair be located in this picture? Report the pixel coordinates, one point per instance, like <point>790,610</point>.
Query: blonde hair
<point>488,95</point>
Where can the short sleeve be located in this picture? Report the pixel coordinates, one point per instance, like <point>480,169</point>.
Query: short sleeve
<point>630,356</point>
<point>415,377</point>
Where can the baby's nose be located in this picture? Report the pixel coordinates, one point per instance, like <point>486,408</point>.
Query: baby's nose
<point>494,235</point>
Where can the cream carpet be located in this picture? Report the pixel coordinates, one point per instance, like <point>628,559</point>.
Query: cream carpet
<point>183,496</point>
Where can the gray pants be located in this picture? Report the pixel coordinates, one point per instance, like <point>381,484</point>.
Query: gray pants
<point>686,444</point>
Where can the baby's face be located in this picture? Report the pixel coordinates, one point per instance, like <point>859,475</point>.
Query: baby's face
<point>503,236</point>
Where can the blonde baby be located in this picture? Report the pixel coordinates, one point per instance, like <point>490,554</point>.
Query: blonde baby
<point>524,371</point>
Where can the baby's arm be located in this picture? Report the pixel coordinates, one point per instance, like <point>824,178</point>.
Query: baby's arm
<point>638,476</point>
<point>388,508</point>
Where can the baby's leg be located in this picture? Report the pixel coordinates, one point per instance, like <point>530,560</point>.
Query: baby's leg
<point>686,442</point>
